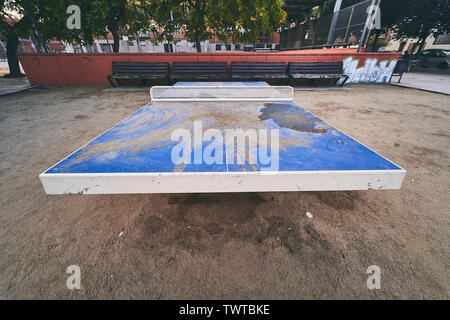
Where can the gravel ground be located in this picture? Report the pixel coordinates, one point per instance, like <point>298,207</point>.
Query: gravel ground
<point>226,246</point>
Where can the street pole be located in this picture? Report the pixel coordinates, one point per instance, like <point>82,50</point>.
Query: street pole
<point>362,41</point>
<point>173,34</point>
<point>337,7</point>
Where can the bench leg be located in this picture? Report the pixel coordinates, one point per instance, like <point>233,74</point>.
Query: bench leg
<point>345,80</point>
<point>110,79</point>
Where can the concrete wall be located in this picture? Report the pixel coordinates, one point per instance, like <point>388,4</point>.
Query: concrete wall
<point>91,69</point>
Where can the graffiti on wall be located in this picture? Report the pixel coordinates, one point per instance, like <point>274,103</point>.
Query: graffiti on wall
<point>371,72</point>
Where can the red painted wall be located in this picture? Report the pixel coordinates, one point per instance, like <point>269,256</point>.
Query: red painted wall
<point>65,69</point>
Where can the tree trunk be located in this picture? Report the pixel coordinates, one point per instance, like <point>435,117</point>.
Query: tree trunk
<point>81,46</point>
<point>138,40</point>
<point>11,53</point>
<point>116,37</point>
<point>198,45</point>
<point>422,44</point>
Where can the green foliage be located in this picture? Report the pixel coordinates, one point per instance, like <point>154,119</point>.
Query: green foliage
<point>375,44</point>
<point>230,20</point>
<point>245,20</point>
<point>166,18</point>
<point>15,16</point>
<point>416,18</point>
<point>198,20</point>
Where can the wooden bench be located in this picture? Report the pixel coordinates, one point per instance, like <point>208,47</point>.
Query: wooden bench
<point>317,70</point>
<point>258,70</point>
<point>199,70</point>
<point>138,70</point>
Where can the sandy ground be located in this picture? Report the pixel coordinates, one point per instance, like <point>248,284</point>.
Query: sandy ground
<point>233,246</point>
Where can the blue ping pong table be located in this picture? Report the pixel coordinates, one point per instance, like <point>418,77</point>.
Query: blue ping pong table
<point>178,143</point>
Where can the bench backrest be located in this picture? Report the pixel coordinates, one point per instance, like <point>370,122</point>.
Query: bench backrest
<point>258,67</point>
<point>200,68</point>
<point>140,67</point>
<point>402,66</point>
<point>316,67</point>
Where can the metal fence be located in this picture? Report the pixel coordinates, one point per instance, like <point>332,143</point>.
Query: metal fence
<point>350,23</point>
<point>314,33</point>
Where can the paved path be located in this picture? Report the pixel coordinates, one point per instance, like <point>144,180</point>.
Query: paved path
<point>15,85</point>
<point>426,79</point>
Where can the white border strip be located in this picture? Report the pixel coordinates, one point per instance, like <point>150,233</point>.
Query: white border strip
<point>243,99</point>
<point>207,182</point>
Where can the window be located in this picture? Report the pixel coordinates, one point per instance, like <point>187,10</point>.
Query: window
<point>425,53</point>
<point>91,48</point>
<point>248,47</point>
<point>106,47</point>
<point>130,43</point>
<point>168,47</point>
<point>237,47</point>
<point>218,47</point>
<point>228,47</point>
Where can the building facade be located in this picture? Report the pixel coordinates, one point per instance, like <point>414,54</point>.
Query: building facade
<point>145,43</point>
<point>402,45</point>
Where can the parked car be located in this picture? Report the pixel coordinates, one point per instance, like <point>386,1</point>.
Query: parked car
<point>435,58</point>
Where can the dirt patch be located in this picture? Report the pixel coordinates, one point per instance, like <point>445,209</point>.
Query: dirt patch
<point>288,116</point>
<point>80,117</point>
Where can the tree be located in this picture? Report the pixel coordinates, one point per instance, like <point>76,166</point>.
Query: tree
<point>42,20</point>
<point>115,15</point>
<point>120,17</point>
<point>417,19</point>
<point>18,20</point>
<point>166,17</point>
<point>247,20</point>
<point>195,14</point>
<point>230,20</point>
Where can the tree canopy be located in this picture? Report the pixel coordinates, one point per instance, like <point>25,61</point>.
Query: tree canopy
<point>416,18</point>
<point>198,20</point>
<point>229,20</point>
